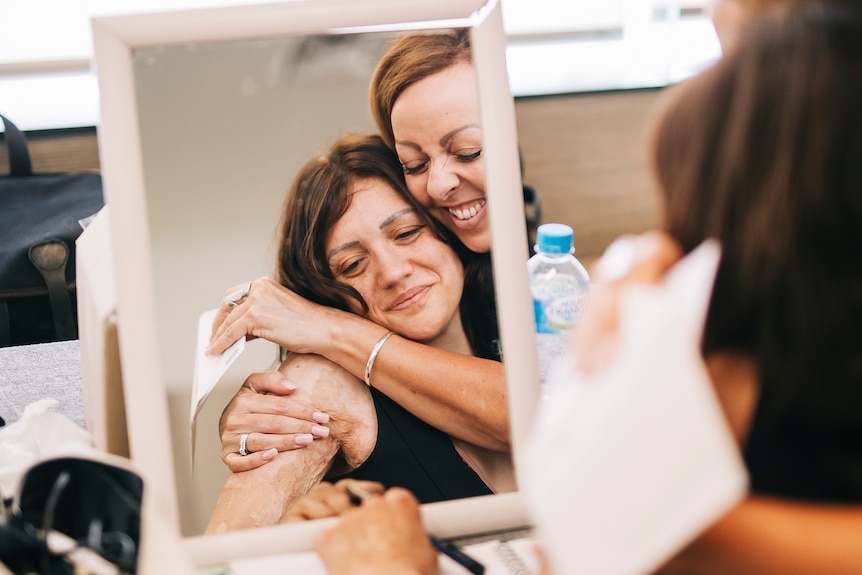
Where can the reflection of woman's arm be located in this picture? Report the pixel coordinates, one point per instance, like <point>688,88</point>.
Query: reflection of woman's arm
<point>260,496</point>
<point>462,395</point>
<point>770,536</point>
<point>459,394</point>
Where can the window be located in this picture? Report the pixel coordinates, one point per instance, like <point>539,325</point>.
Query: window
<point>555,46</point>
<point>587,45</point>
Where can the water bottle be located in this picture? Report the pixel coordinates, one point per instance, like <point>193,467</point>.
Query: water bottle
<point>559,284</point>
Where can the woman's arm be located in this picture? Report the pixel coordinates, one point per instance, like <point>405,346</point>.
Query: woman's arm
<point>765,536</point>
<point>462,395</point>
<point>260,496</point>
<point>459,394</point>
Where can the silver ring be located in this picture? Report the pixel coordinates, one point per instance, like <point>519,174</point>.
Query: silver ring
<point>242,444</point>
<point>237,297</point>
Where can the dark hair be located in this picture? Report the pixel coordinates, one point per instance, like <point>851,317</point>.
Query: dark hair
<point>320,196</point>
<point>764,152</point>
<point>413,57</point>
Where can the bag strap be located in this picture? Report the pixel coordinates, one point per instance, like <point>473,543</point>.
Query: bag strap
<point>16,147</point>
<point>5,324</point>
<point>50,259</point>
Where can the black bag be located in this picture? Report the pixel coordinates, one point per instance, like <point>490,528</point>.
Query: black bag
<point>40,217</point>
<point>87,505</point>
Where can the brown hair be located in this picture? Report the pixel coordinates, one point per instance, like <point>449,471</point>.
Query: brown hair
<point>319,197</point>
<point>411,58</point>
<point>764,152</point>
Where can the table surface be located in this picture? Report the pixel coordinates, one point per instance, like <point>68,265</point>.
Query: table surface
<point>32,372</point>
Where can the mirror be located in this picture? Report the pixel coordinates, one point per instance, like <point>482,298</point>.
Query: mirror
<point>224,128</point>
<point>206,116</point>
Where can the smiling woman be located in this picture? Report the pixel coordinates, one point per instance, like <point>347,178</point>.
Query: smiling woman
<point>425,100</point>
<point>372,249</point>
<point>374,267</point>
<point>442,159</point>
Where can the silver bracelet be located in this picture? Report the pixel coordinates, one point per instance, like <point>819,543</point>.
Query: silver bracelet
<point>370,363</point>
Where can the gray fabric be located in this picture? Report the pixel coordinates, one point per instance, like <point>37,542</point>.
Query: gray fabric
<point>31,372</point>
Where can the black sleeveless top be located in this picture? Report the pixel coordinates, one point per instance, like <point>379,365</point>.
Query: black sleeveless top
<point>419,457</point>
<point>811,449</point>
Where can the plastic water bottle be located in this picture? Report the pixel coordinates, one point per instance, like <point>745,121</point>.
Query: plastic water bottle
<point>559,284</point>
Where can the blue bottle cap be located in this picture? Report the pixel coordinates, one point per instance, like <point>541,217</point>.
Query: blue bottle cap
<point>555,239</point>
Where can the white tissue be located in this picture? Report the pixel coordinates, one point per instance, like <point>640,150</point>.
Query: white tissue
<point>39,434</point>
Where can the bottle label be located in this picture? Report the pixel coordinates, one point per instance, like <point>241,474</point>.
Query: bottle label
<point>558,302</point>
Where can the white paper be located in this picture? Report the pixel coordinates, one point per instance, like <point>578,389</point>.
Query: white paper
<point>209,369</point>
<point>625,466</point>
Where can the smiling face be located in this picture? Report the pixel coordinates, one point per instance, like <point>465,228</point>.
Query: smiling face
<point>438,138</point>
<point>409,278</point>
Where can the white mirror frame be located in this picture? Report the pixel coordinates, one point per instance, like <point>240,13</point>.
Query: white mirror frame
<point>115,41</point>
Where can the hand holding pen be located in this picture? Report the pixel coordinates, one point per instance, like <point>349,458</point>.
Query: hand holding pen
<point>358,495</point>
<point>384,536</point>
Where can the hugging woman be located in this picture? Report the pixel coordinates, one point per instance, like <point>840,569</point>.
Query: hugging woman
<point>354,240</point>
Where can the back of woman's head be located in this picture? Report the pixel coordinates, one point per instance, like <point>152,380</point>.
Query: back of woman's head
<point>411,58</point>
<point>319,197</point>
<point>764,152</point>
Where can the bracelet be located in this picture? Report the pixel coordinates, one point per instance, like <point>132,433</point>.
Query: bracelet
<point>370,363</point>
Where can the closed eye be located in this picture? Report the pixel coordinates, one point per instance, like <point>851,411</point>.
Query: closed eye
<point>413,168</point>
<point>410,233</point>
<point>351,268</point>
<point>469,157</point>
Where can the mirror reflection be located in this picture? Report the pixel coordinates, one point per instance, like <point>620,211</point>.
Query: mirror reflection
<point>379,235</point>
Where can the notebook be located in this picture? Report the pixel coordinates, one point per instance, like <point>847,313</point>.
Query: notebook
<point>513,557</point>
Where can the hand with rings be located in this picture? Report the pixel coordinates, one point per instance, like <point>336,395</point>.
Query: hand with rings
<point>264,308</point>
<point>261,420</point>
<point>243,444</point>
<point>238,296</point>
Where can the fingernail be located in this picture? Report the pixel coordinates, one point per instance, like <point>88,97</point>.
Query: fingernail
<point>288,385</point>
<point>208,350</point>
<point>269,454</point>
<point>320,417</point>
<point>320,431</point>
<point>304,439</point>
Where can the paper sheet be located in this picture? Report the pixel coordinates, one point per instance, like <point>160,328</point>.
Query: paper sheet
<point>208,369</point>
<point>626,466</point>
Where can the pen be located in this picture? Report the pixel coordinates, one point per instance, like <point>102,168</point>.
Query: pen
<point>358,495</point>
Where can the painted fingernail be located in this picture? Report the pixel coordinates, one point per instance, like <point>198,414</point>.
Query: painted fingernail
<point>304,439</point>
<point>269,454</point>
<point>320,417</point>
<point>319,431</point>
<point>288,385</point>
